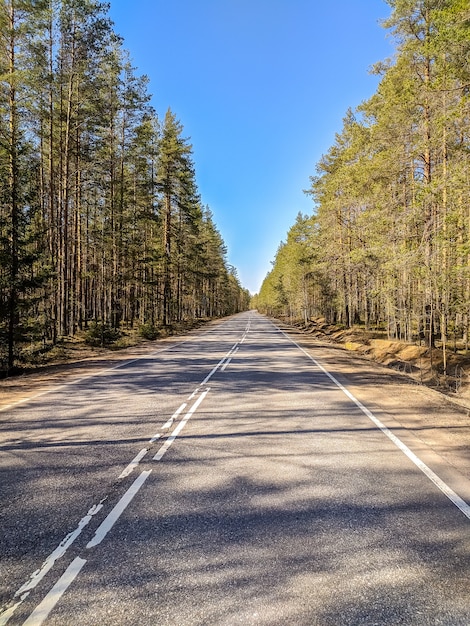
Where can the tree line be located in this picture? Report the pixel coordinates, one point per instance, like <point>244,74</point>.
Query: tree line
<point>388,244</point>
<point>101,221</point>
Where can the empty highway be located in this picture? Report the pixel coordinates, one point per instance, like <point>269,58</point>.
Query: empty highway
<point>231,476</point>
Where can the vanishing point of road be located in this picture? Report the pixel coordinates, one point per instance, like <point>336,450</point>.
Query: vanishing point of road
<point>234,476</point>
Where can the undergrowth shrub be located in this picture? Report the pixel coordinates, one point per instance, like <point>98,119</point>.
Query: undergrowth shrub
<point>100,334</point>
<point>149,331</point>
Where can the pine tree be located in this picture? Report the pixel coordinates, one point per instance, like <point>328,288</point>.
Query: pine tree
<point>19,170</point>
<point>175,182</point>
<point>390,239</point>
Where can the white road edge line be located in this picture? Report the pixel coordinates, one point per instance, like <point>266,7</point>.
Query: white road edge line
<point>116,512</point>
<point>180,427</point>
<point>43,609</point>
<point>427,471</point>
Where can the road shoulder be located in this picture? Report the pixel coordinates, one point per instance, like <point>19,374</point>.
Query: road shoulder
<point>436,429</point>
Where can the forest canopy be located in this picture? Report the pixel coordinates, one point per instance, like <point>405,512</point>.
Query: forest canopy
<point>101,222</point>
<point>388,244</point>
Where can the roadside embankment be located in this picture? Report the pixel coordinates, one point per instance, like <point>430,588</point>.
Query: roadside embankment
<point>423,364</point>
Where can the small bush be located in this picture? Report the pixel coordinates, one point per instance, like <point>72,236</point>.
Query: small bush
<point>100,334</point>
<point>149,331</point>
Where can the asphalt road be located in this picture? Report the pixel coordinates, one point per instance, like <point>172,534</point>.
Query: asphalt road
<point>227,478</point>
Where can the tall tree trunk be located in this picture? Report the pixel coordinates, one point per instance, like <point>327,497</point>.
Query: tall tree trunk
<point>13,188</point>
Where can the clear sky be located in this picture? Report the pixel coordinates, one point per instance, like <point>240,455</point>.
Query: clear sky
<point>261,88</point>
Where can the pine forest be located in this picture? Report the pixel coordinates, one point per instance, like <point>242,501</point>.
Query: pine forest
<point>388,243</point>
<point>101,224</point>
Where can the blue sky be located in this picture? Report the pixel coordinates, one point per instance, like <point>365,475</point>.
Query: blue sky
<point>261,88</point>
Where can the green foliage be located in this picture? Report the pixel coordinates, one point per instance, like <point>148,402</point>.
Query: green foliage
<point>100,216</point>
<point>101,334</point>
<point>149,331</point>
<point>389,242</point>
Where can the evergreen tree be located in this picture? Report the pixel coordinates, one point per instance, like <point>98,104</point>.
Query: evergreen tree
<point>100,216</point>
<point>390,239</point>
<point>18,166</point>
<point>175,182</point>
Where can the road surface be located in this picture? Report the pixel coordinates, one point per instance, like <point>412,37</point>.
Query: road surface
<point>230,477</point>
